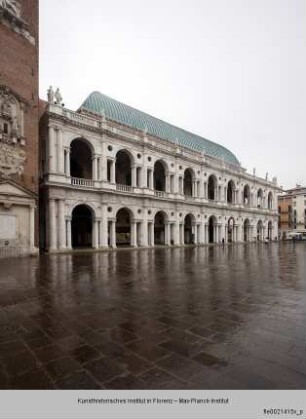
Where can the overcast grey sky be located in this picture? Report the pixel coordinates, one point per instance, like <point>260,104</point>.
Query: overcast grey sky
<point>232,71</point>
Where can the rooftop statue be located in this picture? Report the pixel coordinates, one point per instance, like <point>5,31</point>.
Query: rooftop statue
<point>50,94</point>
<point>58,97</point>
<point>11,6</point>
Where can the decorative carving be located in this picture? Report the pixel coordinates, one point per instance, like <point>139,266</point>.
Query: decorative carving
<point>12,160</point>
<point>11,118</point>
<point>10,15</point>
<point>12,6</point>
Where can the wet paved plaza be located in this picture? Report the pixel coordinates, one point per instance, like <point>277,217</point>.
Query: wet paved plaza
<point>181,318</point>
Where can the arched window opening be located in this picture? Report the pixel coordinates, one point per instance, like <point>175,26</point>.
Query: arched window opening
<point>188,182</point>
<point>230,192</point>
<point>260,230</point>
<point>80,160</point>
<point>159,176</point>
<point>212,188</point>
<point>123,168</point>
<point>247,195</point>
<point>81,227</point>
<point>246,230</point>
<point>270,201</point>
<point>188,234</point>
<point>212,229</point>
<point>259,198</point>
<point>270,230</point>
<point>230,230</point>
<point>123,228</point>
<point>159,228</point>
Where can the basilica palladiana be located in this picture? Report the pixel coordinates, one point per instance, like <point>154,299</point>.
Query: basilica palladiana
<point>113,176</point>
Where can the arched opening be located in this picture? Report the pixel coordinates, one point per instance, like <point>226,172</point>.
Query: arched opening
<point>159,228</point>
<point>81,227</point>
<point>246,230</point>
<point>230,192</point>
<point>230,230</point>
<point>188,235</point>
<point>212,188</point>
<point>259,198</point>
<point>188,177</point>
<point>270,201</point>
<point>212,229</point>
<point>80,159</point>
<point>123,227</point>
<point>159,176</point>
<point>246,195</point>
<point>270,230</point>
<point>123,168</point>
<point>259,231</point>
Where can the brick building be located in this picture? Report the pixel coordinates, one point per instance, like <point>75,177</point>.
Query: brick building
<point>18,126</point>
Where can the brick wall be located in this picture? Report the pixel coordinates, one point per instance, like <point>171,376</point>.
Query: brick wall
<point>19,72</point>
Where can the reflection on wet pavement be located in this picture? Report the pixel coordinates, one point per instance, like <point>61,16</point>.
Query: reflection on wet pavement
<point>181,318</point>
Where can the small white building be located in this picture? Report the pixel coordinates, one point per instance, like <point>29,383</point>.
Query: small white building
<point>114,176</point>
<point>17,220</point>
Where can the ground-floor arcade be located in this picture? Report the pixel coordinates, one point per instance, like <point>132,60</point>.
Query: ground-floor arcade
<point>77,220</point>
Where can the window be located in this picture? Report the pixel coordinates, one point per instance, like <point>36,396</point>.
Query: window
<point>5,128</point>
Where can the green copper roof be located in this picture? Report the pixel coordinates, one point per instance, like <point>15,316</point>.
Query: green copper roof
<point>117,111</point>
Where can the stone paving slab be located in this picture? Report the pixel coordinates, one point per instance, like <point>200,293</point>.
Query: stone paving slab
<point>193,318</point>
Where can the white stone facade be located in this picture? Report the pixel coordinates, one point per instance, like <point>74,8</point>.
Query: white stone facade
<point>180,214</point>
<point>17,220</point>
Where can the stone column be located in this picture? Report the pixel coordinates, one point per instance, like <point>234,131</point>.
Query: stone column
<point>151,226</point>
<point>134,176</point>
<point>67,157</point>
<point>133,234</point>
<point>167,186</point>
<point>95,231</point>
<point>113,235</point>
<point>68,225</point>
<point>103,168</point>
<point>104,227</point>
<point>177,233</point>
<point>60,151</point>
<point>205,190</point>
<point>32,227</point>
<point>193,189</point>
<point>144,181</point>
<point>195,233</point>
<point>202,233</point>
<point>167,233</point>
<point>51,150</point>
<point>182,234</point>
<point>222,232</point>
<point>144,232</point>
<point>52,225</point>
<point>151,179</point>
<point>61,224</point>
<point>113,172</point>
<point>94,168</point>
